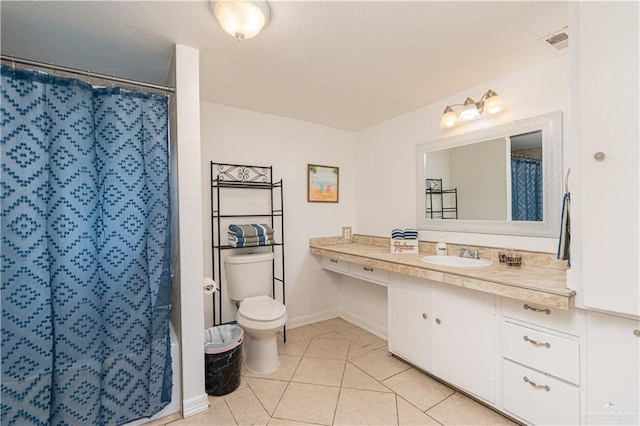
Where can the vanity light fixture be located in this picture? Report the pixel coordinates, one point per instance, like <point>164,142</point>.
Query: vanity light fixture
<point>241,18</point>
<point>471,110</point>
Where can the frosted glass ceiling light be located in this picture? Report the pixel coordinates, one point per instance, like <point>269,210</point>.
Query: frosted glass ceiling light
<point>493,103</point>
<point>241,18</point>
<point>471,110</point>
<point>449,117</point>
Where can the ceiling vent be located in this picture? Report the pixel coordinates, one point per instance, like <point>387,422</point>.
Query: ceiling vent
<point>559,39</point>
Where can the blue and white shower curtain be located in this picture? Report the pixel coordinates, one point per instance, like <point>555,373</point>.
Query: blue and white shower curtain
<point>85,252</point>
<point>526,189</point>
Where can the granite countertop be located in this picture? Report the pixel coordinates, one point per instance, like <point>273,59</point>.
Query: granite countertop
<point>534,284</point>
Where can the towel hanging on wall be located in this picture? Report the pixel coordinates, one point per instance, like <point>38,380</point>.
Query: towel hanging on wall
<point>564,243</point>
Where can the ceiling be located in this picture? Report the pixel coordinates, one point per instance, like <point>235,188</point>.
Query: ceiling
<point>343,64</point>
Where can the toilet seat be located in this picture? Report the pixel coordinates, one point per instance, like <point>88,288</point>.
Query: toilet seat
<point>261,309</point>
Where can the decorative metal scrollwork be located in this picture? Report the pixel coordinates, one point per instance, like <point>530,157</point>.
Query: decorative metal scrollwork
<point>240,173</point>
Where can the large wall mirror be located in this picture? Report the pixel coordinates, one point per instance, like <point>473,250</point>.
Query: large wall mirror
<point>502,180</point>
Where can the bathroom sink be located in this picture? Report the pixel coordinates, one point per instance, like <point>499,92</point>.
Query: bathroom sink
<point>456,261</point>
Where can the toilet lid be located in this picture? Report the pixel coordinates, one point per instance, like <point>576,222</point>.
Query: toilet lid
<point>261,308</point>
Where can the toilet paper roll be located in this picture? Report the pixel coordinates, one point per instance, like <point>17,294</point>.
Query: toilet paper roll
<point>209,285</point>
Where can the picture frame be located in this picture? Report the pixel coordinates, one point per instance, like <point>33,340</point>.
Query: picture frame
<point>323,183</point>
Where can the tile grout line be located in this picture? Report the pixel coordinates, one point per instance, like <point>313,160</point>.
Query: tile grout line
<point>335,410</point>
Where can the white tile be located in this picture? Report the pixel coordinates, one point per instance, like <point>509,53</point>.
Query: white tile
<point>362,407</point>
<point>379,364</point>
<point>360,336</point>
<point>410,415</point>
<point>267,391</point>
<point>418,388</point>
<point>319,371</point>
<point>354,378</point>
<point>327,348</point>
<point>246,408</point>
<point>308,403</point>
<point>459,409</point>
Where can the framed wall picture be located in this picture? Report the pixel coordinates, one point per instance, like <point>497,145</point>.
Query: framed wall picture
<point>322,184</point>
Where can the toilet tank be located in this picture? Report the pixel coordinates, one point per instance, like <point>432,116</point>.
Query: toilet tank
<point>248,275</point>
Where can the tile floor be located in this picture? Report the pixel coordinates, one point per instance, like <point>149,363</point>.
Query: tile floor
<point>335,373</point>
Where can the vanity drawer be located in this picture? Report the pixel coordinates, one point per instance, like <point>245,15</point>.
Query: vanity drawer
<point>335,264</point>
<point>380,276</point>
<point>555,319</point>
<point>538,398</point>
<point>555,355</point>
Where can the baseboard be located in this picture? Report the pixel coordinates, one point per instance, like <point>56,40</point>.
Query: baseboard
<point>366,324</point>
<point>354,319</point>
<point>310,319</point>
<point>195,405</point>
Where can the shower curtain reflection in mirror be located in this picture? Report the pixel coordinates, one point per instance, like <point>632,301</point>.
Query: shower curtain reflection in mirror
<point>526,188</point>
<point>85,252</point>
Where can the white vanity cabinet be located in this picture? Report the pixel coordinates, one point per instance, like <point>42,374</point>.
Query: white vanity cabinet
<point>444,330</point>
<point>540,363</point>
<point>464,326</point>
<point>410,320</point>
<point>612,370</point>
<point>356,270</point>
<point>604,126</point>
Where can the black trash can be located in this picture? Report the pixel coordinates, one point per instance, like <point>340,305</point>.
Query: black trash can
<point>222,359</point>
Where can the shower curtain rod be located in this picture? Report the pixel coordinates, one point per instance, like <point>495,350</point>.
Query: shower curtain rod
<point>85,73</point>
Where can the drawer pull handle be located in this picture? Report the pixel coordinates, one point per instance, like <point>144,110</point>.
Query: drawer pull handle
<point>424,315</point>
<point>368,269</point>
<point>438,321</point>
<point>333,260</point>
<point>535,385</point>
<point>636,332</point>
<point>536,343</point>
<point>531,308</point>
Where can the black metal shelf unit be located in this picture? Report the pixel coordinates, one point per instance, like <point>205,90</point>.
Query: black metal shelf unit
<point>434,193</point>
<point>228,177</point>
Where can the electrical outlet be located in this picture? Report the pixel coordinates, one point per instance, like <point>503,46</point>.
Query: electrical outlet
<point>346,232</point>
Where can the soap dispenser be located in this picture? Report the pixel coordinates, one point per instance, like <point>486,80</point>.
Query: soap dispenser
<point>441,248</point>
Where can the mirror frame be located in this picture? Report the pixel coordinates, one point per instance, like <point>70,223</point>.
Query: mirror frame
<point>552,173</point>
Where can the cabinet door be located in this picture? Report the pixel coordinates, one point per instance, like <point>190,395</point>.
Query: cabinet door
<point>409,314</point>
<point>464,351</point>
<point>613,372</point>
<point>607,101</point>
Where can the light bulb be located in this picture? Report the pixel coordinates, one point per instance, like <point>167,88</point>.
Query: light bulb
<point>493,104</point>
<point>469,110</point>
<point>449,117</point>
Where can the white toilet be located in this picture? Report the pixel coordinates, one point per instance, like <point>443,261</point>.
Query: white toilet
<point>249,283</point>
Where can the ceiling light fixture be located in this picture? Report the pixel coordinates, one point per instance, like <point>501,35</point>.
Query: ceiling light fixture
<point>241,18</point>
<point>471,110</point>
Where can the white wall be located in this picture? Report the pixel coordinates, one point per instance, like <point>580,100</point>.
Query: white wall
<point>231,135</point>
<point>479,171</point>
<point>386,152</point>
<point>190,229</point>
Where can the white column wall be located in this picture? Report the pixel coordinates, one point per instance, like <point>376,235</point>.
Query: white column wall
<point>190,229</point>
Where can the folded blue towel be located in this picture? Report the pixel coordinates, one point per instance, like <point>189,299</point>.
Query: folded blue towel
<point>250,230</point>
<point>410,234</point>
<point>254,244</point>
<point>243,240</point>
<point>397,234</point>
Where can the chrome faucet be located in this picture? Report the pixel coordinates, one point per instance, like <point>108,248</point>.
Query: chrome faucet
<point>465,252</point>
